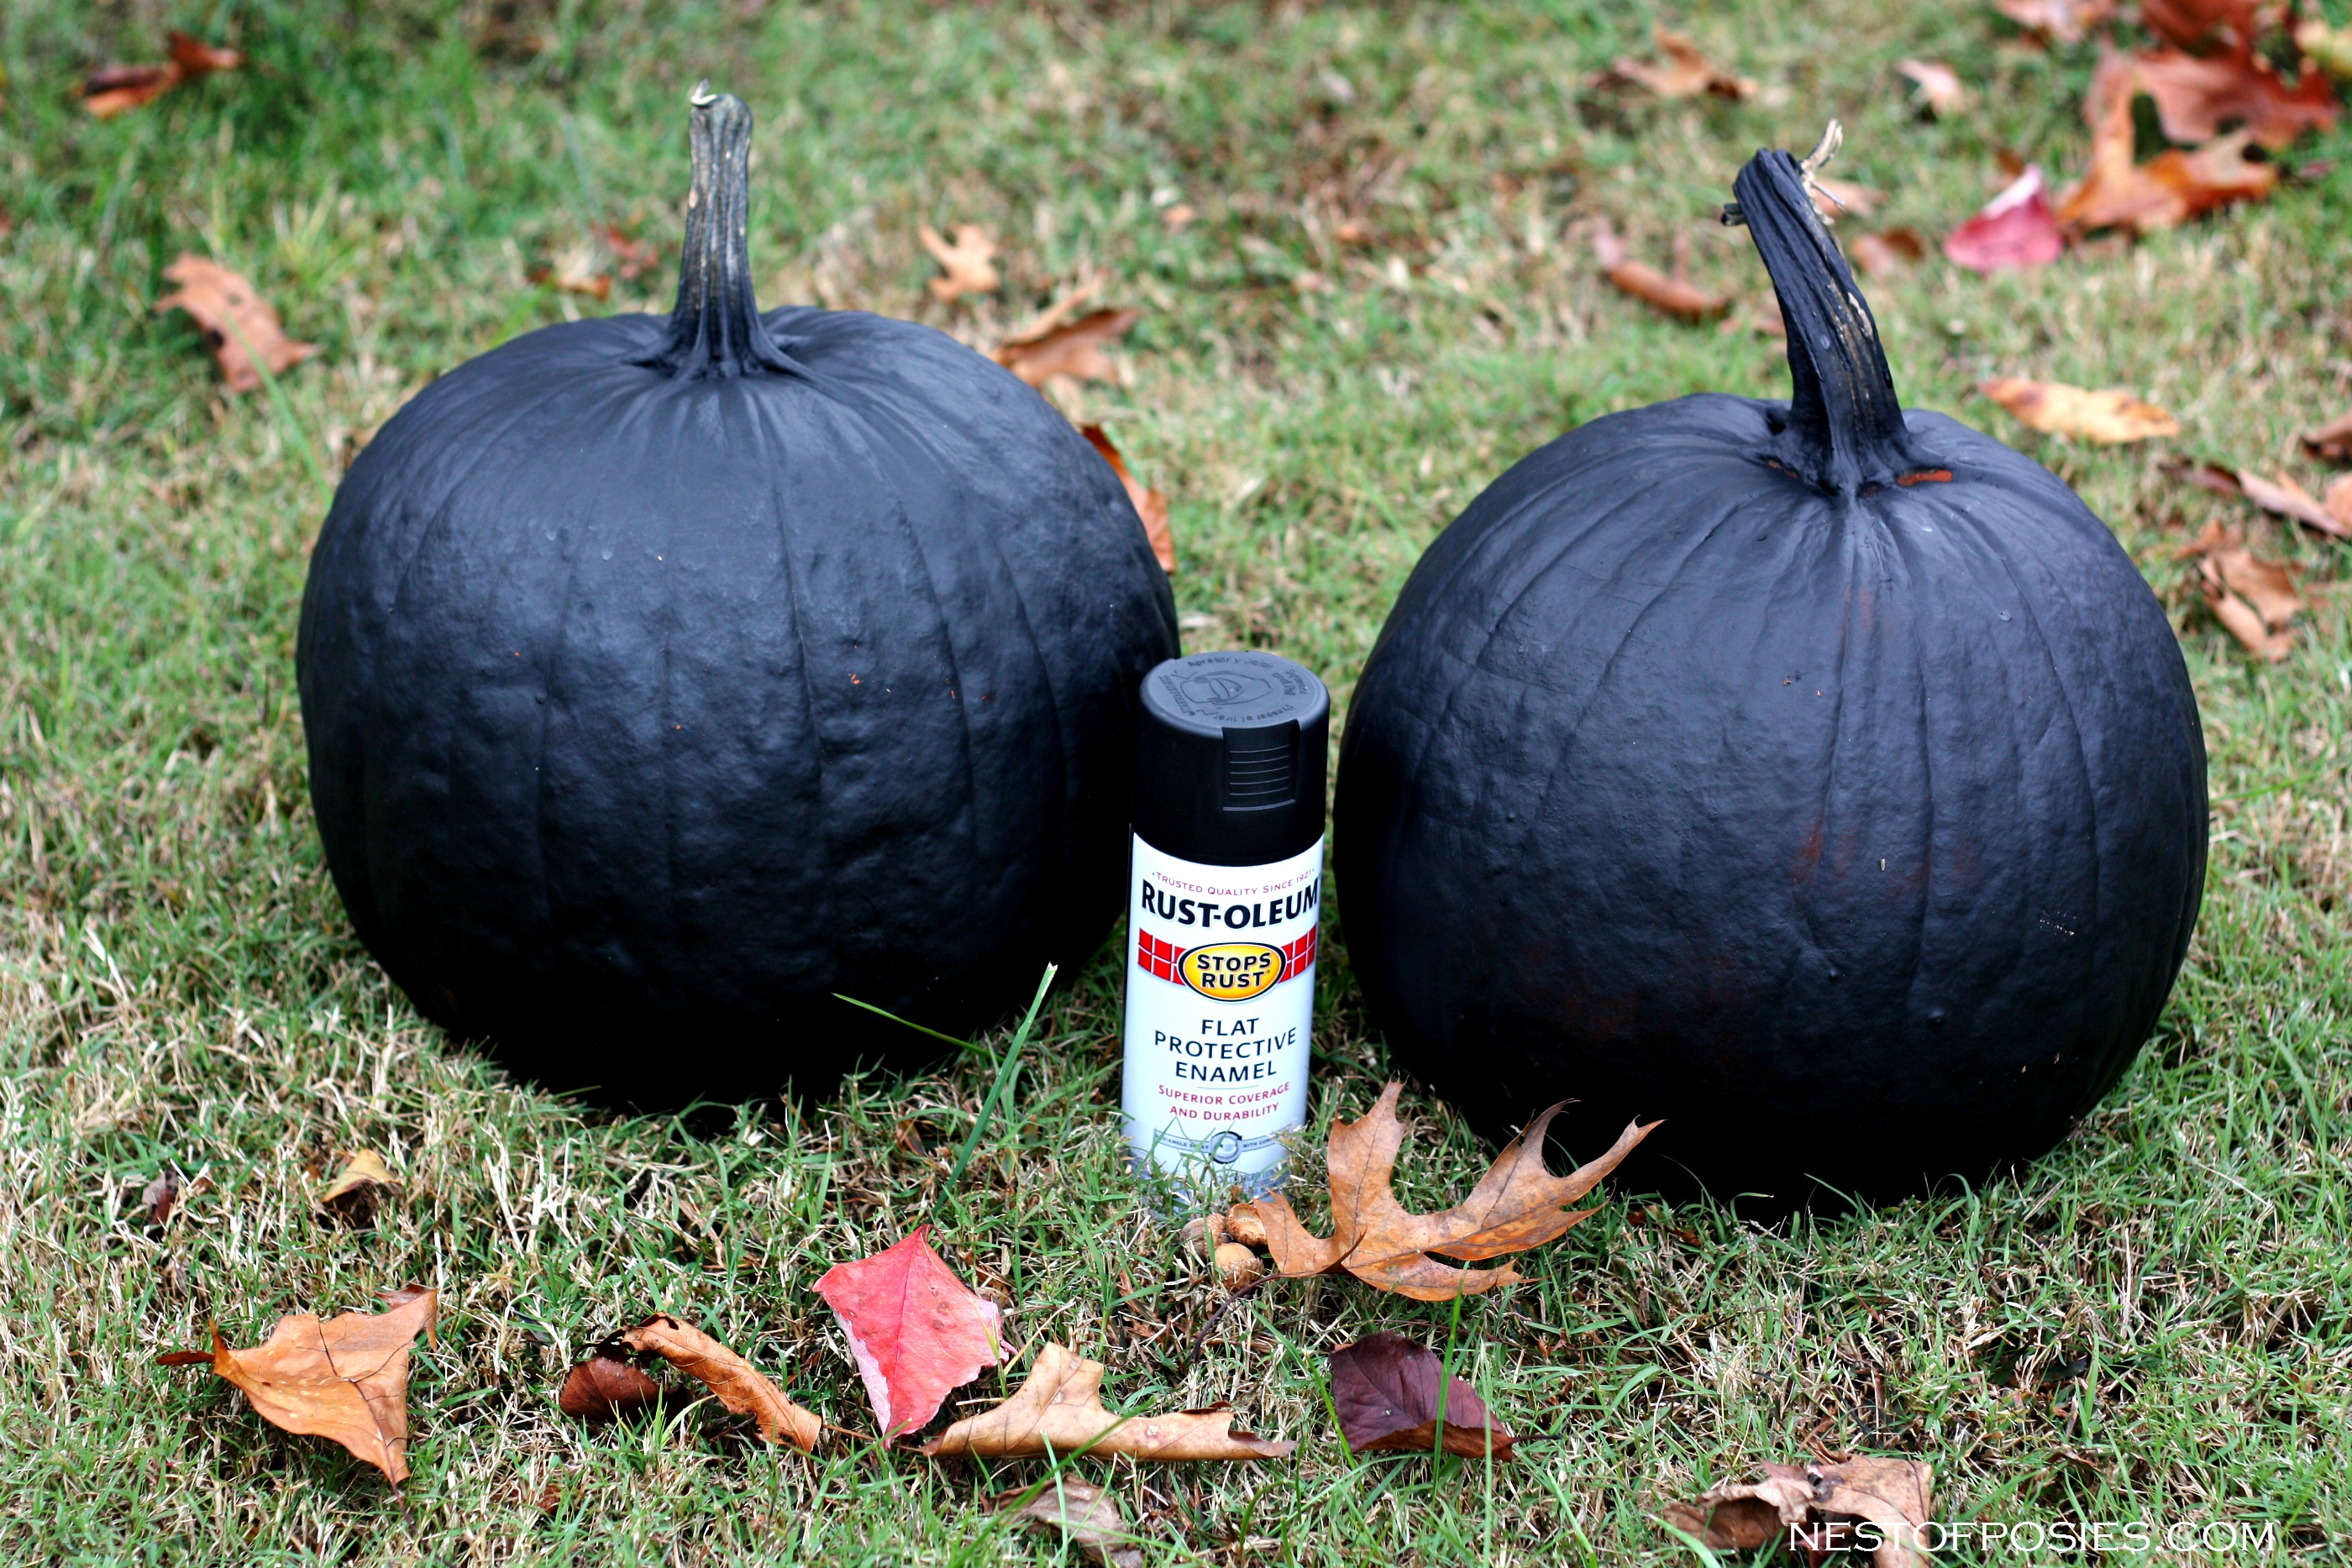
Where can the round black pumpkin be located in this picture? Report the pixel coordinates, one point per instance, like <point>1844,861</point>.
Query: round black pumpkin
<point>1820,777</point>
<point>665,677</point>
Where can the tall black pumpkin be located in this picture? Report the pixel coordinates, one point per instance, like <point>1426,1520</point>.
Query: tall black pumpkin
<point>665,677</point>
<point>1820,777</point>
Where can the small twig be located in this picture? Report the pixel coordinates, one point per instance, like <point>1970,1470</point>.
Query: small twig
<point>1202,1342</point>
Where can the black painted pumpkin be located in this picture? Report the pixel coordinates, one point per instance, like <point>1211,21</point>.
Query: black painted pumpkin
<point>1820,777</point>
<point>665,677</point>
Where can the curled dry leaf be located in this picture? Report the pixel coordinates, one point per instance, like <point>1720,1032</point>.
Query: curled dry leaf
<point>2197,95</point>
<point>2332,441</point>
<point>1059,1407</point>
<point>576,271</point>
<point>2065,21</point>
<point>1385,1389</point>
<point>2289,499</point>
<point>603,1387</point>
<point>1083,1514</point>
<point>1079,349</point>
<point>2167,190</point>
<point>918,1332</point>
<point>1887,252</point>
<point>1684,72</point>
<point>353,1193</point>
<point>2198,24</point>
<point>2017,228</point>
<point>234,320</point>
<point>739,1385</point>
<point>1937,85</point>
<point>2254,599</point>
<point>346,1378</point>
<point>1676,296</point>
<point>161,1196</point>
<point>1880,1506</point>
<point>1518,1205</point>
<point>2108,417</point>
<point>966,267</point>
<point>1150,504</point>
<point>111,89</point>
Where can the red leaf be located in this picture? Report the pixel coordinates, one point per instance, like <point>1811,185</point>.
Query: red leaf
<point>2197,95</point>
<point>918,1332</point>
<point>1384,1388</point>
<point>2017,228</point>
<point>605,1386</point>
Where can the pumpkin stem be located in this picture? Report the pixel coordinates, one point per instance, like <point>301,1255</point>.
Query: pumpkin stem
<point>715,330</point>
<point>1845,430</point>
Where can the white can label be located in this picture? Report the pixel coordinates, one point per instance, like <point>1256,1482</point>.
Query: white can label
<point>1220,1014</point>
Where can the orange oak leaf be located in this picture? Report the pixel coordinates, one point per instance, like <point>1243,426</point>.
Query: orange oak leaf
<point>738,1385</point>
<point>1518,1205</point>
<point>966,267</point>
<point>918,1332</point>
<point>1684,73</point>
<point>1150,505</point>
<point>346,1378</point>
<point>1059,1409</point>
<point>2107,417</point>
<point>235,321</point>
<point>111,89</point>
<point>1079,349</point>
<point>2167,190</point>
<point>2197,95</point>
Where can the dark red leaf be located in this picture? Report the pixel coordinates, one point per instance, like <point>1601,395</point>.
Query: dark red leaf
<point>1385,1390</point>
<point>2016,229</point>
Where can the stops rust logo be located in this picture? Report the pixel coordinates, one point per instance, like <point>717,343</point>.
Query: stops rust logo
<point>1231,971</point>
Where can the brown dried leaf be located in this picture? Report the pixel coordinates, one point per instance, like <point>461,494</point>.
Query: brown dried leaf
<point>1675,296</point>
<point>2067,21</point>
<point>1834,199</point>
<point>2167,190</point>
<point>740,1386</point>
<point>2108,416</point>
<point>353,1193</point>
<point>967,266</point>
<point>1684,73</point>
<point>2332,441</point>
<point>1888,252</point>
<point>1817,1510</point>
<point>576,271</point>
<point>2197,95</point>
<point>1150,505</point>
<point>1083,1515</point>
<point>2194,24</point>
<point>1937,86</point>
<point>2338,501</point>
<point>2289,499</point>
<point>1059,1407</point>
<point>161,1195</point>
<point>234,320</point>
<point>111,89</point>
<point>1384,1388</point>
<point>2254,599</point>
<point>1741,1516</point>
<point>1518,1205</point>
<point>1079,350</point>
<point>346,1378</point>
<point>635,257</point>
<point>605,1386</point>
<point>1890,1494</point>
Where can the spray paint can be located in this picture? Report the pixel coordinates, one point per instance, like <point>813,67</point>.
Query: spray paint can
<point>1225,889</point>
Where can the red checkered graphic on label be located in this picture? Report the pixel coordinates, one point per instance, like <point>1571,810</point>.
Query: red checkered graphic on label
<point>1297,955</point>
<point>1159,958</point>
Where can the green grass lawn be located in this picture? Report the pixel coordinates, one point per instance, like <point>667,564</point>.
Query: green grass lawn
<point>2154,1324</point>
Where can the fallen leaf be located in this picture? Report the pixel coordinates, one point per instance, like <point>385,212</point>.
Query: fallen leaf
<point>1384,1387</point>
<point>1079,350</point>
<point>353,1194</point>
<point>1080,293</point>
<point>1176,219</point>
<point>2332,441</point>
<point>967,266</point>
<point>1150,505</point>
<point>1834,199</point>
<point>2329,48</point>
<point>1764,316</point>
<point>918,1332</point>
<point>603,1387</point>
<point>161,1196</point>
<point>1684,73</point>
<point>1518,1204</point>
<point>111,89</point>
<point>1083,1515</point>
<point>739,1385</point>
<point>2067,21</point>
<point>2338,501</point>
<point>2107,417</point>
<point>1888,252</point>
<point>1675,296</point>
<point>346,1378</point>
<point>2197,95</point>
<point>1937,86</point>
<point>2016,229</point>
<point>2167,190</point>
<point>1816,1510</point>
<point>1059,1409</point>
<point>2194,24</point>
<point>2289,499</point>
<point>233,318</point>
<point>634,257</point>
<point>576,272</point>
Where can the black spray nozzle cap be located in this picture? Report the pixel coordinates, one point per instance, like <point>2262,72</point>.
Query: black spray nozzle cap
<point>1229,758</point>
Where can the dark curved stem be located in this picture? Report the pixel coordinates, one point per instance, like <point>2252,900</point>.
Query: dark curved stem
<point>715,330</point>
<point>1845,430</point>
